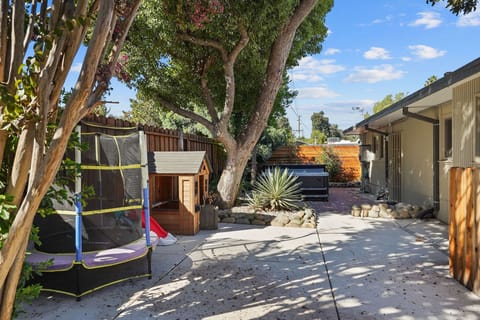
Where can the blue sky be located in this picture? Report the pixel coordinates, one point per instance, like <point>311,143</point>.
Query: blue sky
<point>373,48</point>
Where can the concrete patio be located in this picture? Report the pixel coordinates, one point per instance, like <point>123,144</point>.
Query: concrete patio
<point>347,268</point>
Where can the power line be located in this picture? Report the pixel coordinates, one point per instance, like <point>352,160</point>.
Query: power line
<point>301,127</point>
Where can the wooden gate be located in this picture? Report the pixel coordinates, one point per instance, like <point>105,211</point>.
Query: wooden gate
<point>464,227</point>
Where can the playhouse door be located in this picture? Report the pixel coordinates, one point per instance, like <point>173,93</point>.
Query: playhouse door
<point>188,216</point>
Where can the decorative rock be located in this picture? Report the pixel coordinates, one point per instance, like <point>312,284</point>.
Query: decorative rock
<point>373,213</point>
<point>239,215</point>
<point>356,210</point>
<point>258,222</point>
<point>242,221</point>
<point>242,209</point>
<point>385,213</point>
<point>299,215</point>
<point>365,209</point>
<point>308,225</point>
<point>414,210</point>
<point>258,216</point>
<point>404,213</point>
<point>280,221</point>
<point>293,224</point>
<point>268,219</point>
<point>223,213</point>
<point>296,221</point>
<point>228,220</point>
<point>383,206</point>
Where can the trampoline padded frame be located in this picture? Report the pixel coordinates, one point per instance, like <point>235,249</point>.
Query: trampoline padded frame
<point>97,270</point>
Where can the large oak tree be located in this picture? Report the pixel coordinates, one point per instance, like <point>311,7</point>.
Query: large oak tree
<point>38,43</point>
<point>227,56</point>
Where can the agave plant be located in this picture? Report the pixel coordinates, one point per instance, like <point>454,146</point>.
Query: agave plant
<point>276,190</point>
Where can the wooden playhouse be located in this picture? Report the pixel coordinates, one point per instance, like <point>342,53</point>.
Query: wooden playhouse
<point>178,188</point>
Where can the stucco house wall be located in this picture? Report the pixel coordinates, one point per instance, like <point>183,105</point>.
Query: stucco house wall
<point>452,106</point>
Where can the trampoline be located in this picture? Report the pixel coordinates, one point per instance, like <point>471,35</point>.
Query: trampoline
<point>102,242</point>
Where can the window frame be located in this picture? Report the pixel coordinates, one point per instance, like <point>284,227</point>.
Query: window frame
<point>447,143</point>
<point>476,138</point>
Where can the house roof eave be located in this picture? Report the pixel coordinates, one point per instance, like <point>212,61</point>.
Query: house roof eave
<point>426,97</point>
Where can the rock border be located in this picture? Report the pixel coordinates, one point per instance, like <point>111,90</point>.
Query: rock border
<point>400,210</point>
<point>245,215</point>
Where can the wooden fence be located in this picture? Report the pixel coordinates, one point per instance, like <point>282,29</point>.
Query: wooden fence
<point>305,154</point>
<point>159,139</point>
<point>464,227</point>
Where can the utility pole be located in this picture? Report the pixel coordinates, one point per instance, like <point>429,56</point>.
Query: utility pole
<point>299,128</point>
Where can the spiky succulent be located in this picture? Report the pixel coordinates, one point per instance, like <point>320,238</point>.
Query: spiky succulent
<point>276,190</point>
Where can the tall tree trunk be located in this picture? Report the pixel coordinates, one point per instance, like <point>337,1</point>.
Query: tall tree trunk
<point>253,166</point>
<point>7,300</point>
<point>229,183</point>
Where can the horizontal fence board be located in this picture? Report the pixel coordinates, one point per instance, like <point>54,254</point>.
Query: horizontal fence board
<point>348,154</point>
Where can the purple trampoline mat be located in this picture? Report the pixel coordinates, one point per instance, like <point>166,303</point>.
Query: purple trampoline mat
<point>96,259</point>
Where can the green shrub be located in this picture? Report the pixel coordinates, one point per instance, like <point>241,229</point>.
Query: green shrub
<point>276,190</point>
<point>332,163</point>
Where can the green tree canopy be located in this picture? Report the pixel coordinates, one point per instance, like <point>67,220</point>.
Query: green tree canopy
<point>322,128</point>
<point>430,80</point>
<point>226,57</point>
<point>458,6</point>
<point>387,101</point>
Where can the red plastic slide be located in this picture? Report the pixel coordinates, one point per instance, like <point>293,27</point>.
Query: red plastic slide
<point>154,226</point>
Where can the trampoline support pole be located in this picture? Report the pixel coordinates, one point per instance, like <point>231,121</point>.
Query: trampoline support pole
<point>146,208</point>
<point>78,228</point>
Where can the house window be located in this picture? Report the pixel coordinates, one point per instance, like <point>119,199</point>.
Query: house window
<point>447,138</point>
<point>477,130</point>
<point>378,147</point>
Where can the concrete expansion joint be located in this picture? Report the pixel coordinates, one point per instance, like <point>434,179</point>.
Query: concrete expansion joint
<point>328,275</point>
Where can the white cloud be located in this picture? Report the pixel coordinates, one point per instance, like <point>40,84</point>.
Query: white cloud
<point>406,59</point>
<point>384,20</point>
<point>376,74</point>
<point>311,69</point>
<point>76,67</point>
<point>332,51</point>
<point>315,93</point>
<point>469,20</point>
<point>305,77</point>
<point>375,53</point>
<point>425,52</point>
<point>428,19</point>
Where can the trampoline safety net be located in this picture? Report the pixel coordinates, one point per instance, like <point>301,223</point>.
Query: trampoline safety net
<point>111,165</point>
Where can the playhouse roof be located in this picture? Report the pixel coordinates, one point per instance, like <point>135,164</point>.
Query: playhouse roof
<point>176,162</point>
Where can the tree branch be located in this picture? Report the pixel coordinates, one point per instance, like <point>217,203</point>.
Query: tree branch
<point>206,91</point>
<point>31,23</point>
<point>3,39</point>
<point>279,53</point>
<point>205,43</point>
<point>16,36</point>
<point>230,78</point>
<point>114,54</point>
<point>186,113</point>
<point>64,53</point>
